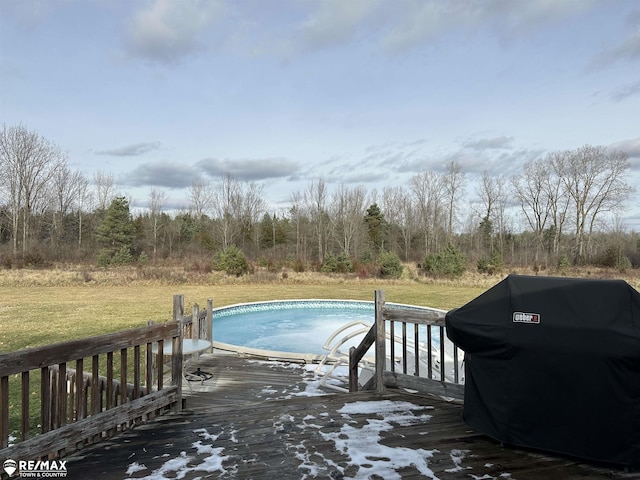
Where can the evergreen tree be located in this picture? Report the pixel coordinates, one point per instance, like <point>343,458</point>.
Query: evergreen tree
<point>376,226</point>
<point>116,233</point>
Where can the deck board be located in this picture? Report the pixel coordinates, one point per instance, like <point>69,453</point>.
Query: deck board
<point>251,421</point>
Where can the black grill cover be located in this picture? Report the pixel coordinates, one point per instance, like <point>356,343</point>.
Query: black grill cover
<point>554,364</point>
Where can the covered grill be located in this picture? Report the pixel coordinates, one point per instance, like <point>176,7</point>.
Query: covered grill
<point>554,363</point>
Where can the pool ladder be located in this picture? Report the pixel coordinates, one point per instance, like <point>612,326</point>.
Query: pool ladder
<point>330,368</point>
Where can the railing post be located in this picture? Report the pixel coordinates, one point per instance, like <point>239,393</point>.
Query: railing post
<point>176,368</point>
<point>195,322</point>
<point>353,370</point>
<point>178,307</point>
<point>381,351</point>
<point>210,320</point>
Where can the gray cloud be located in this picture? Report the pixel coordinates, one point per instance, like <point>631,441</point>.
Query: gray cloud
<point>630,146</point>
<point>132,150</point>
<point>489,143</point>
<point>166,31</point>
<point>249,169</point>
<point>628,50</point>
<point>160,174</point>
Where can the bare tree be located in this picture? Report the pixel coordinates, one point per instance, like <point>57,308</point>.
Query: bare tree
<point>315,199</point>
<point>84,198</point>
<point>226,209</point>
<point>594,179</point>
<point>428,193</point>
<point>157,200</point>
<point>493,198</point>
<point>535,203</point>
<point>28,162</point>
<point>67,187</point>
<point>348,209</point>
<point>105,189</point>
<point>395,203</point>
<point>559,202</point>
<point>253,206</point>
<point>200,195</point>
<point>454,185</point>
<point>297,214</point>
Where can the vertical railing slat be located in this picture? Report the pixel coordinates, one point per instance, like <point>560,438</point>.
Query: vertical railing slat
<point>176,368</point>
<point>160,364</point>
<point>124,366</point>
<point>96,391</point>
<point>404,347</point>
<point>24,427</point>
<point>429,352</point>
<point>455,365</point>
<point>149,369</point>
<point>62,394</point>
<point>416,343</point>
<point>380,349</point>
<point>136,371</point>
<point>442,365</point>
<point>392,347</point>
<point>80,390</point>
<point>45,399</point>
<point>4,418</point>
<point>110,396</point>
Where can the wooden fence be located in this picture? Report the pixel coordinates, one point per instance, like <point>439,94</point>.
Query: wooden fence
<point>66,407</point>
<point>419,364</point>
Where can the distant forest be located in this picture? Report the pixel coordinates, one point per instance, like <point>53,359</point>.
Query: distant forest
<point>565,205</point>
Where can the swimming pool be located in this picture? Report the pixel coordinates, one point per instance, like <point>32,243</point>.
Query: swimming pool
<point>296,326</point>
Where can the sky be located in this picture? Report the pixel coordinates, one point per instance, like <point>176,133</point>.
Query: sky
<point>157,93</point>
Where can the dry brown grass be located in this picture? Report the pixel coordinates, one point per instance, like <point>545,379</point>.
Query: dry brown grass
<point>66,302</point>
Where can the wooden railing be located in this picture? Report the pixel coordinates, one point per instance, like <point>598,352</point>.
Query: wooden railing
<point>417,364</point>
<point>62,410</point>
<point>197,325</point>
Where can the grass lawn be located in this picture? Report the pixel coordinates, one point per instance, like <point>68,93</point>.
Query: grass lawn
<point>33,314</point>
<point>38,315</point>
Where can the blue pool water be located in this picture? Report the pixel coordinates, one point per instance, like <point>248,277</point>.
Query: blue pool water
<point>299,326</point>
<point>295,326</point>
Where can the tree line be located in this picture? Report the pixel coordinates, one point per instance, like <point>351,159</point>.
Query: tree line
<point>562,209</point>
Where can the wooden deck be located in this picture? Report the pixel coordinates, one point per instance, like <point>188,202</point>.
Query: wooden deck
<point>265,420</point>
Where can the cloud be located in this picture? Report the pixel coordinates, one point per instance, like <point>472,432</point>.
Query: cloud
<point>628,50</point>
<point>424,21</point>
<point>132,150</point>
<point>626,91</point>
<point>160,174</point>
<point>249,169</point>
<point>380,25</point>
<point>630,146</point>
<point>166,31</point>
<point>335,22</point>
<point>489,143</point>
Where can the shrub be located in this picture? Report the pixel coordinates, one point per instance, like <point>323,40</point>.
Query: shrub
<point>232,261</point>
<point>491,265</point>
<point>330,264</point>
<point>623,264</point>
<point>143,259</point>
<point>390,265</point>
<point>563,262</point>
<point>450,262</point>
